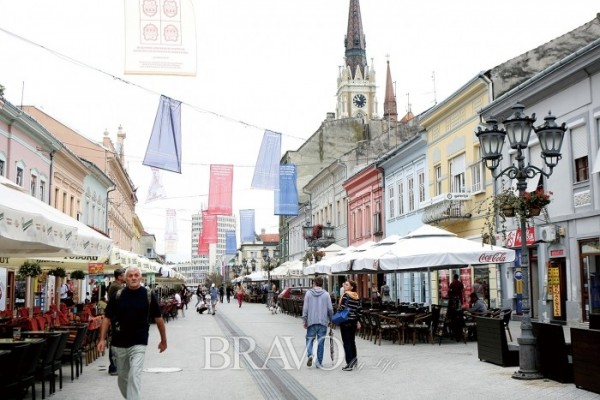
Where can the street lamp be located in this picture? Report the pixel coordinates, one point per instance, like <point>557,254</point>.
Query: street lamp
<point>518,128</point>
<point>318,235</point>
<point>237,268</point>
<point>253,262</point>
<point>270,263</point>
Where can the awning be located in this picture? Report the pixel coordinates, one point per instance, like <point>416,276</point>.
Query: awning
<point>30,227</point>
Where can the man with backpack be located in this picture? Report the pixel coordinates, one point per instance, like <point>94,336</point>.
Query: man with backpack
<point>112,290</point>
<point>128,313</point>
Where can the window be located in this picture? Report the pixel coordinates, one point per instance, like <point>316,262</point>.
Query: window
<point>19,180</point>
<point>42,191</point>
<point>2,167</point>
<point>581,169</point>
<point>410,182</point>
<point>391,202</point>
<point>359,220</point>
<point>476,175</point>
<point>421,177</point>
<point>457,174</point>
<point>377,223</point>
<point>401,198</point>
<point>64,203</point>
<point>368,220</point>
<point>437,170</point>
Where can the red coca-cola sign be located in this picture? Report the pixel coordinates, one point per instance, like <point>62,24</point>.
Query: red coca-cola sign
<point>493,258</point>
<point>513,238</point>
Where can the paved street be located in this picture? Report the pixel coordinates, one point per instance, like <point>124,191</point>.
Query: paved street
<point>201,352</point>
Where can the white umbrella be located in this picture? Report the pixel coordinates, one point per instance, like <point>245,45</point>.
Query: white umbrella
<point>324,266</point>
<point>342,265</point>
<point>366,261</point>
<point>433,247</point>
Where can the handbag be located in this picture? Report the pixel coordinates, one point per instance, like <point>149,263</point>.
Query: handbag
<point>340,316</point>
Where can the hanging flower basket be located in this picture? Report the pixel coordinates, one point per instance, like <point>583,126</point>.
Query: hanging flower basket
<point>58,272</point>
<point>78,274</point>
<point>30,268</point>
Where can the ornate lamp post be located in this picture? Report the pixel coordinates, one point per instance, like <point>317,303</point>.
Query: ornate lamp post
<point>245,265</point>
<point>237,268</point>
<point>518,128</point>
<point>270,263</point>
<point>253,262</point>
<point>318,235</point>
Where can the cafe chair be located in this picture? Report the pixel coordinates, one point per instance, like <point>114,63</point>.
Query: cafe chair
<point>26,378</point>
<point>57,363</point>
<point>11,368</point>
<point>45,364</point>
<point>73,352</point>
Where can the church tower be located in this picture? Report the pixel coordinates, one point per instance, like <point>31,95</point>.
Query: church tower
<point>356,93</point>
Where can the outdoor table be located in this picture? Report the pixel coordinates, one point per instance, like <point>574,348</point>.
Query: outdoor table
<point>7,342</point>
<point>403,319</point>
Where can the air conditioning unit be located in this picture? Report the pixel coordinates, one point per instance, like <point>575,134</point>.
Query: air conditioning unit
<point>548,233</point>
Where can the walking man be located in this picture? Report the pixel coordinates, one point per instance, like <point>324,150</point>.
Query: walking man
<point>114,287</point>
<point>316,314</point>
<point>128,313</point>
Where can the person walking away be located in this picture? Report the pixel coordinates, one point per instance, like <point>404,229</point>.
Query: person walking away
<point>240,294</point>
<point>114,287</point>
<point>316,315</point>
<point>214,294</point>
<point>228,293</point>
<point>128,313</point>
<point>221,293</point>
<point>351,301</point>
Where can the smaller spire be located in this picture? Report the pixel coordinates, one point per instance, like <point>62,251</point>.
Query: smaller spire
<point>390,109</point>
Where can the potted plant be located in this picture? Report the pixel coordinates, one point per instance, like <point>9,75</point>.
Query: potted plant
<point>506,203</point>
<point>78,274</point>
<point>534,202</point>
<point>30,269</point>
<point>58,272</point>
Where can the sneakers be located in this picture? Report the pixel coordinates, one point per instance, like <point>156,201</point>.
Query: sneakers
<point>309,362</point>
<point>113,373</point>
<point>213,313</point>
<point>347,368</point>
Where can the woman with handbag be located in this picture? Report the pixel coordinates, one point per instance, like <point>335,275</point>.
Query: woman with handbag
<point>350,301</point>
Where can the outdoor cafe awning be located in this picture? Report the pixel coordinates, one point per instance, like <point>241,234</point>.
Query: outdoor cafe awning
<point>32,228</point>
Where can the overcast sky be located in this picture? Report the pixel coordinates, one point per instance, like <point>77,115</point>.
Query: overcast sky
<point>261,64</point>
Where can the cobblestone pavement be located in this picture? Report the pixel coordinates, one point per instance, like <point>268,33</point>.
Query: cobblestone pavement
<point>253,353</point>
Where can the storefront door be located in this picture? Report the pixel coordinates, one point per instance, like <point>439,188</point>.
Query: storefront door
<point>590,277</point>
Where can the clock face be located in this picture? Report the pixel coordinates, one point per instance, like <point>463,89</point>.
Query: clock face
<point>359,100</point>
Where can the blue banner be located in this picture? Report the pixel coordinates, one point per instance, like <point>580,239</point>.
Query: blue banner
<point>286,197</point>
<point>266,171</point>
<point>164,147</point>
<point>247,229</point>
<point>230,243</point>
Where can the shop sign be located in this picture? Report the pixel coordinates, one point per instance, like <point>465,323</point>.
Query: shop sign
<point>557,253</point>
<point>513,238</point>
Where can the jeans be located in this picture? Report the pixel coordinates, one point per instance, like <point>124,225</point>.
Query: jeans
<point>348,331</point>
<point>130,363</point>
<point>318,332</point>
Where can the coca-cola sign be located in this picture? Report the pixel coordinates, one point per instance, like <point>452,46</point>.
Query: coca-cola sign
<point>493,258</point>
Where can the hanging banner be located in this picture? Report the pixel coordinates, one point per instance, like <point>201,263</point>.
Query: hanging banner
<point>160,37</point>
<point>286,197</point>
<point>156,190</point>
<point>202,245</point>
<point>247,229</point>
<point>266,171</point>
<point>209,227</point>
<point>230,243</point>
<point>164,147</point>
<point>220,189</point>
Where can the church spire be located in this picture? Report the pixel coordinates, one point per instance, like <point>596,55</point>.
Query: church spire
<point>356,55</point>
<point>390,110</point>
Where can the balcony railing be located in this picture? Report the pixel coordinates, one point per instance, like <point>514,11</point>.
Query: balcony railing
<point>447,206</point>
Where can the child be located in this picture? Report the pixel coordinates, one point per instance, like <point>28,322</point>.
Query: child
<point>208,302</point>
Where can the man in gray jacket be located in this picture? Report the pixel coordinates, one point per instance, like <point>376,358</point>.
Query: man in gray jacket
<point>316,314</point>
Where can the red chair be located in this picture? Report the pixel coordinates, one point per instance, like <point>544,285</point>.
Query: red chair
<point>41,322</point>
<point>32,324</point>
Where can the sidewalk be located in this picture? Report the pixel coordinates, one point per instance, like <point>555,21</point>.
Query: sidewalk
<point>202,347</point>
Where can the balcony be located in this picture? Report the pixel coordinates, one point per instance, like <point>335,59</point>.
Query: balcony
<point>447,206</point>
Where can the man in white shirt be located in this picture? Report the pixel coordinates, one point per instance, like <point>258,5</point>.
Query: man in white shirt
<point>179,305</point>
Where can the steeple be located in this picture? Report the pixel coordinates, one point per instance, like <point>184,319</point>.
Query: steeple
<point>356,55</point>
<point>390,111</point>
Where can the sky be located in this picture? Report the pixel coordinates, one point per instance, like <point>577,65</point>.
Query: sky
<point>261,64</point>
